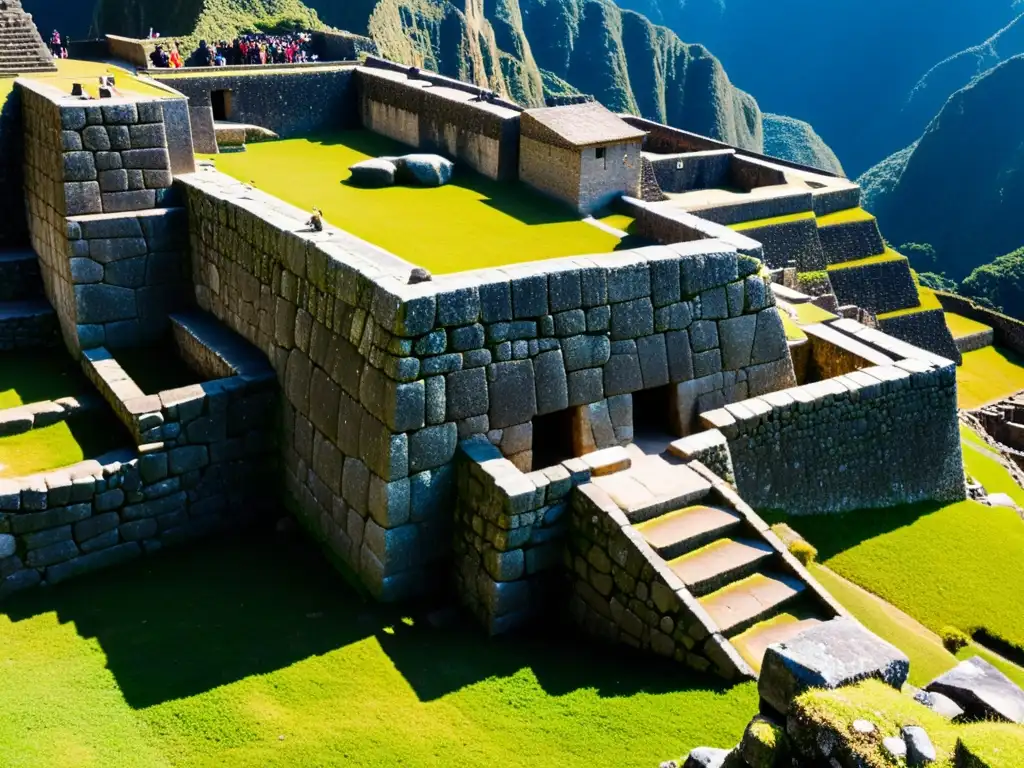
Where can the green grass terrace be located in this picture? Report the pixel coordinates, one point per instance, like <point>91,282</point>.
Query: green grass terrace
<point>471,223</point>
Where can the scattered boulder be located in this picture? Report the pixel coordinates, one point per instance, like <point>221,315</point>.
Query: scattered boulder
<point>836,653</point>
<point>894,747</point>
<point>425,170</point>
<point>761,743</point>
<point>939,704</point>
<point>920,750</point>
<point>419,275</point>
<point>864,727</point>
<point>379,172</point>
<point>982,690</point>
<point>706,757</point>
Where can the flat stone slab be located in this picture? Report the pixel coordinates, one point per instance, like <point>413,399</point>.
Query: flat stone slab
<point>671,533</point>
<point>982,690</point>
<point>833,654</point>
<point>750,599</point>
<point>703,569</point>
<point>752,644</point>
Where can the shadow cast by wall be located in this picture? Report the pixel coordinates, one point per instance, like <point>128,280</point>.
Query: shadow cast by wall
<point>188,621</point>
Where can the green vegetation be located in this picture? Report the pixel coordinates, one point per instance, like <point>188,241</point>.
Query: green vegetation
<point>775,221</point>
<point>987,375</point>
<point>961,326</point>
<point>938,282</point>
<point>794,139</point>
<point>793,331</point>
<point>803,552</point>
<point>85,436</point>
<point>999,284</point>
<point>468,224</point>
<point>253,651</point>
<point>890,710</point>
<point>38,375</point>
<point>848,216</point>
<point>882,258</point>
<point>809,313</point>
<point>953,639</point>
<point>968,581</point>
<point>618,221</point>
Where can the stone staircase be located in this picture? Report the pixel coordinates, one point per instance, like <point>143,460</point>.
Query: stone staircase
<point>22,50</point>
<point>26,318</point>
<point>751,591</point>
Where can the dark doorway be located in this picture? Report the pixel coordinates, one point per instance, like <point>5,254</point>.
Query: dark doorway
<point>653,418</point>
<point>221,104</point>
<point>552,439</point>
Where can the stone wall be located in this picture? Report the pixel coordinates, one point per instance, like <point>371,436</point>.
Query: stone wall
<point>202,465</point>
<point>552,170</point>
<point>879,287</point>
<point>131,50</point>
<point>1009,332</point>
<point>766,207</point>
<point>848,242</point>
<point>878,437</point>
<point>792,241</point>
<point>443,118</point>
<point>337,45</point>
<point>667,224</point>
<point>926,329</point>
<point>291,102</point>
<point>747,174</point>
<point>382,378</point>
<point>681,172</point>
<point>21,329</point>
<point>606,178</point>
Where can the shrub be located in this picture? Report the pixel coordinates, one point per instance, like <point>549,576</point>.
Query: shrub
<point>803,552</point>
<point>954,639</point>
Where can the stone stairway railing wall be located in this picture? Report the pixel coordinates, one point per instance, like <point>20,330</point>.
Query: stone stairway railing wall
<point>879,436</point>
<point>98,184</point>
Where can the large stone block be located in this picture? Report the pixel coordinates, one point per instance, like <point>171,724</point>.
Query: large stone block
<point>653,360</point>
<point>585,352</point>
<point>632,319</point>
<point>981,690</point>
<point>466,393</point>
<point>82,197</point>
<point>512,393</point>
<point>736,337</point>
<point>552,386</point>
<point>432,447</point>
<point>79,166</point>
<point>98,303</point>
<point>836,653</point>
<point>146,159</point>
<point>770,338</point>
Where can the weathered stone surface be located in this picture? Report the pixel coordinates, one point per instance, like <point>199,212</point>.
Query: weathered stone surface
<point>432,447</point>
<point>736,337</point>
<point>585,352</point>
<point>466,393</point>
<point>425,170</point>
<point>770,337</point>
<point>940,704</point>
<point>586,386</point>
<point>706,757</point>
<point>98,303</point>
<point>552,386</point>
<point>512,393</point>
<point>632,319</point>
<point>982,690</point>
<point>79,166</point>
<point>375,172</point>
<point>920,750</point>
<point>653,360</point>
<point>622,375</point>
<point>836,653</point>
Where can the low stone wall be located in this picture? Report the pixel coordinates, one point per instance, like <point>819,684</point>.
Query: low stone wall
<point>483,133</point>
<point>1009,332</point>
<point>27,327</point>
<point>833,353</point>
<point>747,173</point>
<point>131,50</point>
<point>203,464</point>
<point>19,276</point>
<point>666,224</point>
<point>792,241</point>
<point>828,201</point>
<point>878,437</point>
<point>337,45</point>
<point>849,242</point>
<point>291,102</point>
<point>383,378</point>
<point>926,329</point>
<point>767,207</point>
<point>878,287</point>
<point>681,172</point>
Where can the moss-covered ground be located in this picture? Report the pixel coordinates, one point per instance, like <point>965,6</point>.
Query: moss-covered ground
<point>37,375</point>
<point>848,216</point>
<point>809,314</point>
<point>961,326</point>
<point>468,224</point>
<point>774,221</point>
<point>882,258</point>
<point>955,564</point>
<point>85,436</point>
<point>252,651</point>
<point>70,71</point>
<point>988,375</point>
<point>890,710</point>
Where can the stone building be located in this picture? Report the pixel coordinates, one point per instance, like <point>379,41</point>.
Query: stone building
<point>581,154</point>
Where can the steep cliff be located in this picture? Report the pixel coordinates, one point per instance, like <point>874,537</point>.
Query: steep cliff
<point>961,186</point>
<point>797,141</point>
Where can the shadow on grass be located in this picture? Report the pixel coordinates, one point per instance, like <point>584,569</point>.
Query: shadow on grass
<point>190,620</point>
<point>832,534</point>
<point>37,375</point>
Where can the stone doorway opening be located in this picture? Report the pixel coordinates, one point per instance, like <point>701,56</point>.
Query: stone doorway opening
<point>653,418</point>
<point>221,101</point>
<point>553,438</point>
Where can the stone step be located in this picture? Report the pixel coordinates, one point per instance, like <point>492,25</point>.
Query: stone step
<point>19,275</point>
<point>719,563</point>
<point>748,601</point>
<point>684,530</point>
<point>653,487</point>
<point>752,644</point>
<point>19,310</point>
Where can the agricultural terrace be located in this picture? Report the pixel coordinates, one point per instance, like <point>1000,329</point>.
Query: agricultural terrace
<point>988,375</point>
<point>470,223</point>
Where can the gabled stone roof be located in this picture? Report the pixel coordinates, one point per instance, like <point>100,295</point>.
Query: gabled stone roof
<point>577,126</point>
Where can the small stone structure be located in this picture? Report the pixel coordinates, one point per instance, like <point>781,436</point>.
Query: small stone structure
<point>581,154</point>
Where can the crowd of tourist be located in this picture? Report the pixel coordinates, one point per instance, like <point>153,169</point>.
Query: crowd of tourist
<point>293,48</point>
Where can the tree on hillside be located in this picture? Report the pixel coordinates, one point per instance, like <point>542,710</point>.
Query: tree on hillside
<point>922,255</point>
<point>999,284</point>
<point>937,282</point>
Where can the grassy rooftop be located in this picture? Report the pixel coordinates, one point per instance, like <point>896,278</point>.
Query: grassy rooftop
<point>881,258</point>
<point>253,651</point>
<point>71,71</point>
<point>468,224</point>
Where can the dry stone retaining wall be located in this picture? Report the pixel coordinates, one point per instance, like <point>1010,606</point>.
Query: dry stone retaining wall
<point>791,241</point>
<point>926,329</point>
<point>1009,332</point>
<point>382,378</point>
<point>877,437</point>
<point>849,242</point>
<point>879,287</point>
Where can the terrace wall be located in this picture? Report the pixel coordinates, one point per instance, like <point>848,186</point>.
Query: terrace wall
<point>341,46</point>
<point>292,102</point>
<point>1009,332</point>
<point>484,134</point>
<point>382,378</point>
<point>204,464</point>
<point>878,437</point>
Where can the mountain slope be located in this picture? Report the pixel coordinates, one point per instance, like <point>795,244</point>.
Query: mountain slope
<point>961,186</point>
<point>797,141</point>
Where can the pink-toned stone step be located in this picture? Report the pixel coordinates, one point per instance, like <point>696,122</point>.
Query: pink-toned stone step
<point>683,530</point>
<point>719,563</point>
<point>748,601</point>
<point>654,488</point>
<point>752,644</point>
